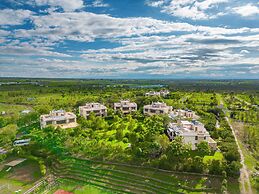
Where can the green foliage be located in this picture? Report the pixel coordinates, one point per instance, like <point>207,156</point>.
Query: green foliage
<point>7,135</point>
<point>203,148</point>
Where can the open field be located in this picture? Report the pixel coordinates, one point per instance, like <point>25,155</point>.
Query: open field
<point>19,178</point>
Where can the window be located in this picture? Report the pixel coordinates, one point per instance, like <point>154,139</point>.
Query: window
<point>153,111</point>
<point>71,120</point>
<point>48,122</point>
<point>61,122</point>
<point>204,138</point>
<point>196,137</point>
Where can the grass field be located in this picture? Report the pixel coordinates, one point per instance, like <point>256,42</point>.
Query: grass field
<point>12,110</point>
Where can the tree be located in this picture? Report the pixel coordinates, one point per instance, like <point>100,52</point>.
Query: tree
<point>215,167</point>
<point>203,148</point>
<point>8,134</point>
<point>177,150</point>
<point>133,138</point>
<point>233,169</point>
<point>197,164</point>
<point>2,122</point>
<point>119,134</point>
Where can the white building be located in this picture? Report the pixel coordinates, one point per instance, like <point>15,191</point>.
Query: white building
<point>157,108</point>
<point>97,108</point>
<point>25,111</point>
<point>164,92</point>
<point>58,118</point>
<point>152,93</point>
<point>125,106</point>
<point>192,133</point>
<point>179,113</point>
<point>160,93</point>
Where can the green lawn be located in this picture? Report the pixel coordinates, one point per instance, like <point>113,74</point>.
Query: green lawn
<point>217,156</point>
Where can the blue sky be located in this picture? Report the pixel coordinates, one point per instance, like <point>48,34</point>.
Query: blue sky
<point>158,39</point>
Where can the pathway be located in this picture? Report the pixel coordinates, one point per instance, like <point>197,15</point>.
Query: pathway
<point>244,174</point>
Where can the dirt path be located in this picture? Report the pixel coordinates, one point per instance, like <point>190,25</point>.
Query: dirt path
<point>244,174</point>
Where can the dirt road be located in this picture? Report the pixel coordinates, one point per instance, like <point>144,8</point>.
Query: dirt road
<point>244,174</point>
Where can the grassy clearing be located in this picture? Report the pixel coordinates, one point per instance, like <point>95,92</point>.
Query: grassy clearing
<point>217,156</point>
<point>12,110</point>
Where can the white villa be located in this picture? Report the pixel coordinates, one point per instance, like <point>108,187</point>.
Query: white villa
<point>192,132</point>
<point>160,93</point>
<point>164,92</point>
<point>125,106</point>
<point>152,93</point>
<point>97,108</point>
<point>58,118</point>
<point>189,114</point>
<point>157,108</point>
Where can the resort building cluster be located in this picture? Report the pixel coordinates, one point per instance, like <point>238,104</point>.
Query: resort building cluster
<point>185,122</point>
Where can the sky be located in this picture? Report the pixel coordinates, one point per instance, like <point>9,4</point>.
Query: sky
<point>130,39</point>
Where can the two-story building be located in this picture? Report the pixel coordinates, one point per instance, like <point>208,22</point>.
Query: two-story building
<point>180,113</point>
<point>157,108</point>
<point>192,133</point>
<point>58,118</point>
<point>125,106</point>
<point>97,108</point>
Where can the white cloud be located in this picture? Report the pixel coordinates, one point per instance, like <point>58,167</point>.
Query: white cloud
<point>193,9</point>
<point>244,52</point>
<point>14,17</point>
<point>67,5</point>
<point>155,3</point>
<point>247,10</point>
<point>25,49</point>
<point>99,3</point>
<point>85,26</point>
